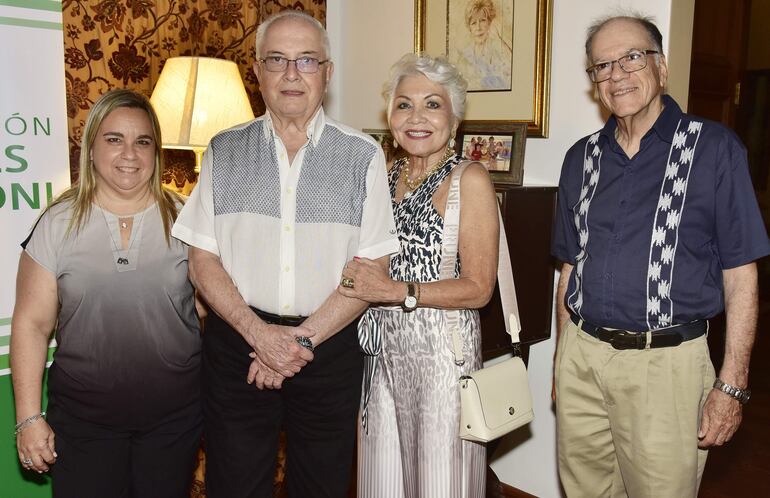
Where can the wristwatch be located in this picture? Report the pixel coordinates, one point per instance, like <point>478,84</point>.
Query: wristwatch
<point>412,295</point>
<point>741,395</point>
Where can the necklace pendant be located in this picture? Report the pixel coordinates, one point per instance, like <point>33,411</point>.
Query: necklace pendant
<point>123,225</point>
<point>122,261</point>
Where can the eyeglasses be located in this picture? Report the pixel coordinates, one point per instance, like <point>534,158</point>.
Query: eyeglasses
<point>635,60</point>
<point>276,63</point>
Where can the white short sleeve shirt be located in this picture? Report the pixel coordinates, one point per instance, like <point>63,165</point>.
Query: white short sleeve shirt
<point>285,231</point>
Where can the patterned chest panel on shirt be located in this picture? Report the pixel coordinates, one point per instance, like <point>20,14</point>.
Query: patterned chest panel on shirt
<point>420,228</point>
<point>665,229</point>
<point>245,176</point>
<point>331,187</point>
<point>591,170</point>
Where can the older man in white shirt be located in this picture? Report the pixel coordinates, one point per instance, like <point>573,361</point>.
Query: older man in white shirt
<point>283,202</point>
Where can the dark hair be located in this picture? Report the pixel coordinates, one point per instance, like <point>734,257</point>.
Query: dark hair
<point>644,21</point>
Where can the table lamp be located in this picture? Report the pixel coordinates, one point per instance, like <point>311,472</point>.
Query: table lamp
<point>196,98</point>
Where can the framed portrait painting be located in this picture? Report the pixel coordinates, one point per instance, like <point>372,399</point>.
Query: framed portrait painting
<point>502,48</point>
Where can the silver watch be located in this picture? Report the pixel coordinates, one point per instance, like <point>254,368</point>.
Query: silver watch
<point>741,395</point>
<point>410,301</point>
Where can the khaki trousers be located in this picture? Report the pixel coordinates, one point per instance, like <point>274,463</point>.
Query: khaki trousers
<point>628,420</point>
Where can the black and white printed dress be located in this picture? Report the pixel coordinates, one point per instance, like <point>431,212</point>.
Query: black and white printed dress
<point>408,444</point>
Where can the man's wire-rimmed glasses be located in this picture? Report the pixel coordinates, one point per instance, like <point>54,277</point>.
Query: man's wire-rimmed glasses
<point>635,60</point>
<point>277,63</point>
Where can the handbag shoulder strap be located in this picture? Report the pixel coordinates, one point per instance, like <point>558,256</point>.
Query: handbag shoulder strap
<point>451,224</point>
<point>504,269</point>
<point>507,286</point>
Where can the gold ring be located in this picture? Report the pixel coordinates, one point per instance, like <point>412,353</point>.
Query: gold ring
<point>347,282</point>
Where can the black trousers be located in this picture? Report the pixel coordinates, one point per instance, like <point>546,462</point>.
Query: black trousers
<point>317,408</point>
<point>96,461</point>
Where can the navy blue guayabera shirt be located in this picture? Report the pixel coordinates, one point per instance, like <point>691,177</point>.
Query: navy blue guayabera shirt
<point>650,236</point>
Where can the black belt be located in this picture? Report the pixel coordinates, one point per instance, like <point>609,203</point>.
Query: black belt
<point>661,338</point>
<point>288,320</point>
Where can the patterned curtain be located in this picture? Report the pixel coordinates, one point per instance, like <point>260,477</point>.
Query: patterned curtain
<point>124,44</point>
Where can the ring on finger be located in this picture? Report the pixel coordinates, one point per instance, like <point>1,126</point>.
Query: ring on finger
<point>347,282</point>
<point>27,461</point>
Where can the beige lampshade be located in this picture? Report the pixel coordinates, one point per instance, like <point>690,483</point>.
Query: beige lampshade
<point>196,98</point>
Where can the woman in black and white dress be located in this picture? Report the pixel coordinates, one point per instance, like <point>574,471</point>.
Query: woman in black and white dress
<point>408,443</point>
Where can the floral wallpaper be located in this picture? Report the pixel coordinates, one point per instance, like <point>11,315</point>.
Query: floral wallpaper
<point>124,44</point>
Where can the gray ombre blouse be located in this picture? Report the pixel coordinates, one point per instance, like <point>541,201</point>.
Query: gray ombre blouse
<point>128,334</point>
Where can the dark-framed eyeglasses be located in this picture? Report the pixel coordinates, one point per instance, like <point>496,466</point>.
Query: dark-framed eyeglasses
<point>277,63</point>
<point>635,60</point>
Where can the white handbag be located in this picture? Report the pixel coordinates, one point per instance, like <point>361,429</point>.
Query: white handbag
<point>494,400</point>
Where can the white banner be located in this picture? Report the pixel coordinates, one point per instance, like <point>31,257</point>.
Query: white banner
<point>33,133</point>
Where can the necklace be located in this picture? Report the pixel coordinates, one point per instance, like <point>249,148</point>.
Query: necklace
<point>413,184</point>
<point>123,260</point>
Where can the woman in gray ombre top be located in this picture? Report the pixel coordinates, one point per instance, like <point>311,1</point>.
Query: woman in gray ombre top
<point>101,268</point>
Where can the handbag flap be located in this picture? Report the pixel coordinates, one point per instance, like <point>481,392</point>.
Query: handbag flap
<point>504,392</point>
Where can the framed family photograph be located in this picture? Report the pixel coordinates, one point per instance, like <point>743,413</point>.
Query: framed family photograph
<point>498,145</point>
<point>502,48</point>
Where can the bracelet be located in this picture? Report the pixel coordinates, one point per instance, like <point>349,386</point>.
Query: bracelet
<point>27,421</point>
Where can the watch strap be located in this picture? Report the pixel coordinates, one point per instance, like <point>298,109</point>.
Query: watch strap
<point>412,296</point>
<point>742,395</point>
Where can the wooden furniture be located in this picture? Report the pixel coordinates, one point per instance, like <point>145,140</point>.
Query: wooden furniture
<point>528,213</point>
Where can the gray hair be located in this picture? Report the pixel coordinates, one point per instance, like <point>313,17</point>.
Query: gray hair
<point>259,38</point>
<point>438,70</point>
<point>485,7</point>
<point>646,22</point>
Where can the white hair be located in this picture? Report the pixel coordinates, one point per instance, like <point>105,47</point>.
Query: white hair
<point>438,70</point>
<point>259,38</point>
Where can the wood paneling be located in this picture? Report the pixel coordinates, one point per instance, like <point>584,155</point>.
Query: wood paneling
<point>528,213</point>
<point>718,58</point>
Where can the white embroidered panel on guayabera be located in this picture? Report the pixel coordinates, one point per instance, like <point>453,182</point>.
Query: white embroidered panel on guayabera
<point>591,170</point>
<point>665,229</point>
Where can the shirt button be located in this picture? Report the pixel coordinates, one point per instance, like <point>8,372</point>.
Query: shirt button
<point>287,228</point>
<point>285,306</point>
<point>287,269</point>
<point>290,190</point>
<point>623,202</point>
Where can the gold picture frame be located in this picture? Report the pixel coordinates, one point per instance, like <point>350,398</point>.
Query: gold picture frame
<point>527,100</point>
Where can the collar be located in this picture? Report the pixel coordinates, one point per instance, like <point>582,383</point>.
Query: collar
<point>664,126</point>
<point>314,128</point>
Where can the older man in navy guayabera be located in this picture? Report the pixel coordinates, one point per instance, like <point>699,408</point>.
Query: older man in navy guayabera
<point>283,203</point>
<point>659,230</point>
